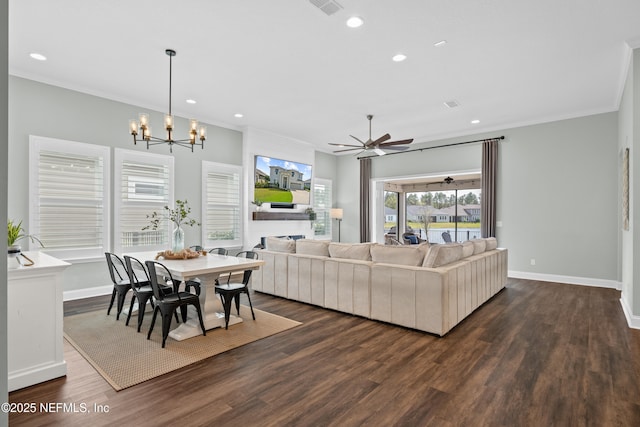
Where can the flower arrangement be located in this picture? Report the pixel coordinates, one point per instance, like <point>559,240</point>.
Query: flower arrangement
<point>179,216</point>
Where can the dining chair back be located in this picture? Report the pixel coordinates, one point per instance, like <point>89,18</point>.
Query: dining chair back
<point>218,251</point>
<point>230,291</point>
<point>120,279</point>
<point>446,237</point>
<point>167,304</point>
<point>141,288</point>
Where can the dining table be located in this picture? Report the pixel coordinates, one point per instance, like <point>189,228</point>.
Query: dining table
<point>207,268</point>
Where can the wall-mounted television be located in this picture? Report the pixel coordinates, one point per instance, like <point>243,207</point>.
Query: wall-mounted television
<point>282,182</point>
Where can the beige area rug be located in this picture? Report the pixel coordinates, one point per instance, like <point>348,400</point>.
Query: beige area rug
<point>125,357</point>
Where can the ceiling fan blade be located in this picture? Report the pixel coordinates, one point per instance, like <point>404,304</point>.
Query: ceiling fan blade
<point>377,142</point>
<point>404,141</point>
<point>344,145</point>
<point>348,149</point>
<point>379,152</point>
<point>361,142</point>
<point>396,148</point>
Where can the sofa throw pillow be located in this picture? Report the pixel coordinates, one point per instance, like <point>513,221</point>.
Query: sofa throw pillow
<point>440,255</point>
<point>312,247</point>
<point>467,248</point>
<point>412,238</point>
<point>278,244</point>
<point>479,246</point>
<point>401,255</point>
<point>359,251</point>
<point>491,243</point>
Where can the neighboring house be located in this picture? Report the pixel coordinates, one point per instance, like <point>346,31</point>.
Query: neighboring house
<point>287,179</point>
<point>261,177</point>
<point>416,213</point>
<point>390,214</point>
<point>466,213</point>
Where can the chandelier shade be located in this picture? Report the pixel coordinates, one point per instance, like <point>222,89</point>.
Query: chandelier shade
<point>142,128</point>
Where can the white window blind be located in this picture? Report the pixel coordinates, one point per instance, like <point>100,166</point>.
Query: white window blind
<point>144,185</point>
<point>69,194</point>
<point>221,205</point>
<point>322,202</point>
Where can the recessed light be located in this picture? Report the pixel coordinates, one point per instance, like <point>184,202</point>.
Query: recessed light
<point>475,122</point>
<point>38,56</point>
<point>354,22</point>
<point>191,101</point>
<point>440,43</point>
<point>399,57</point>
<point>238,115</point>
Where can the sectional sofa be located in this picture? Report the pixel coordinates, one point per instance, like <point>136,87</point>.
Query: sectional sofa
<point>431,288</point>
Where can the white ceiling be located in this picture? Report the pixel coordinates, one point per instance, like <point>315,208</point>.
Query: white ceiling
<point>293,70</point>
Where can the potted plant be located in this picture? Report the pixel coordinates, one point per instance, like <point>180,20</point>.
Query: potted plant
<point>179,216</point>
<point>16,232</point>
<point>312,215</point>
<point>258,204</point>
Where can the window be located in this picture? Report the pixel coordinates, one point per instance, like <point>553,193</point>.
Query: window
<point>322,201</point>
<point>144,184</point>
<point>221,205</point>
<point>69,196</point>
<point>390,211</point>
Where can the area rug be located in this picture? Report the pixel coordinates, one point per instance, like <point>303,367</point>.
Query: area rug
<point>125,357</point>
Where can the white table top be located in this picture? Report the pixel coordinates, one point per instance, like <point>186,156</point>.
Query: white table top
<point>204,264</point>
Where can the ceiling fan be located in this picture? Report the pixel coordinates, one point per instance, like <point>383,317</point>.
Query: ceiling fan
<point>376,146</point>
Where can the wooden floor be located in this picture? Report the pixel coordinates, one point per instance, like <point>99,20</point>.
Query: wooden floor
<point>537,354</point>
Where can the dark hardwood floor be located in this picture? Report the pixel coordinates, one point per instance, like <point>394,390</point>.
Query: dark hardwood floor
<point>537,354</point>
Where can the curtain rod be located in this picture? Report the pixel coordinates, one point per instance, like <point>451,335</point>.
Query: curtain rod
<point>435,146</point>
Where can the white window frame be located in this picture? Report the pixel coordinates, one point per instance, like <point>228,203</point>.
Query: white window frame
<point>120,155</point>
<point>38,144</point>
<point>323,212</point>
<point>208,167</point>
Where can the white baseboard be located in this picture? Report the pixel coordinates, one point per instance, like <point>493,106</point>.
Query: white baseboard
<point>632,321</point>
<point>87,293</point>
<point>571,280</point>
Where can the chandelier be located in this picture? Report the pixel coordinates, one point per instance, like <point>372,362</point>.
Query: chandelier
<point>195,131</point>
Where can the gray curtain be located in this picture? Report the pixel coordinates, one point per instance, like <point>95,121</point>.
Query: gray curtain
<point>489,176</point>
<point>365,200</point>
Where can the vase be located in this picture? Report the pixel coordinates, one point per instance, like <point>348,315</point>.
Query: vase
<point>178,239</point>
<point>14,250</point>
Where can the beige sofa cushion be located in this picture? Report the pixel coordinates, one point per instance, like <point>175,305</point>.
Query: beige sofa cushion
<point>440,255</point>
<point>467,248</point>
<point>402,255</point>
<point>491,243</point>
<point>479,246</point>
<point>360,251</point>
<point>278,244</point>
<point>312,247</point>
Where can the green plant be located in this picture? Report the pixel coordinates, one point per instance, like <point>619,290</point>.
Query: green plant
<point>179,216</point>
<point>257,202</point>
<point>16,232</point>
<point>311,213</point>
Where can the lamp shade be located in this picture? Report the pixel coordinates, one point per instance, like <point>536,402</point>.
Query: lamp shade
<point>336,213</point>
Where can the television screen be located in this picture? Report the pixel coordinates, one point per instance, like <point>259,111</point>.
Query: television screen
<point>282,181</point>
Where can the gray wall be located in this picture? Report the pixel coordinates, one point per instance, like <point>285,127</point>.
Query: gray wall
<point>50,111</point>
<point>326,167</point>
<point>557,193</point>
<point>4,112</point>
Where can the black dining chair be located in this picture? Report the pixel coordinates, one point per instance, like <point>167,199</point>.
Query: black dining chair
<point>218,251</point>
<point>231,291</point>
<point>169,303</point>
<point>120,279</point>
<point>446,237</point>
<point>141,288</point>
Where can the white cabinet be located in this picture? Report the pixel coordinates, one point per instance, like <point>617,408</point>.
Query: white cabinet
<point>34,320</point>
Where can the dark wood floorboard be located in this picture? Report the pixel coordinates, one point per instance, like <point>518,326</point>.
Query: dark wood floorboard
<point>537,354</point>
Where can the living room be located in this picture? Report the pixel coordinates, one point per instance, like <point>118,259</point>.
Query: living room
<point>559,202</point>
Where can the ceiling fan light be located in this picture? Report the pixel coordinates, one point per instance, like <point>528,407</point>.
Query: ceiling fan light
<point>379,152</point>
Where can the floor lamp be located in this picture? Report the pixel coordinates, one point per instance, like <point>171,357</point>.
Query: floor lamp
<point>336,213</point>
